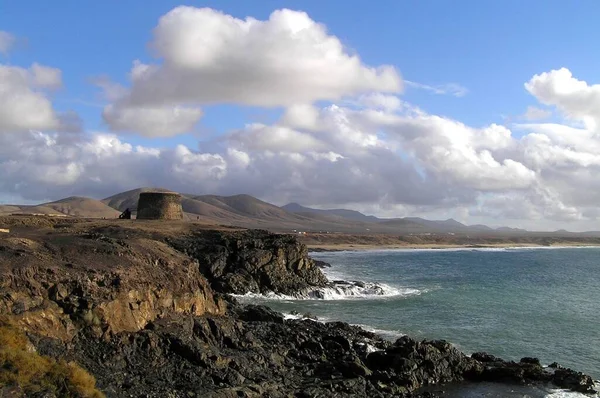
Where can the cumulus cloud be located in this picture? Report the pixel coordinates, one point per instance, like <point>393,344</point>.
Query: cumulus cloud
<point>304,116</point>
<point>288,59</point>
<point>575,98</point>
<point>208,57</point>
<point>534,113</point>
<point>470,157</point>
<point>24,101</point>
<point>276,139</point>
<point>7,40</point>
<point>45,76</point>
<point>380,101</point>
<point>152,121</point>
<point>453,89</point>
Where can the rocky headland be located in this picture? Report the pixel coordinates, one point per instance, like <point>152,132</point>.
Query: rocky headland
<point>144,308</point>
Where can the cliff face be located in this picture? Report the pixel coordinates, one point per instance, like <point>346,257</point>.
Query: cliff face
<point>55,282</point>
<point>252,261</point>
<point>114,277</point>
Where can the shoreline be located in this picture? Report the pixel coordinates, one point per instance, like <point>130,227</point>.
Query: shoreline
<point>320,248</point>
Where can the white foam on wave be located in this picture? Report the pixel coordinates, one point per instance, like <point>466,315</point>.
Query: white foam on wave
<point>387,334</point>
<point>568,394</point>
<point>560,393</point>
<point>392,335</point>
<point>250,297</point>
<point>342,290</point>
<point>299,316</point>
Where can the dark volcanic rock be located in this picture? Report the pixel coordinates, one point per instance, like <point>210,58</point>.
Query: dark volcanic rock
<point>258,313</point>
<point>529,370</point>
<point>572,380</point>
<point>223,355</point>
<point>252,261</point>
<point>322,264</point>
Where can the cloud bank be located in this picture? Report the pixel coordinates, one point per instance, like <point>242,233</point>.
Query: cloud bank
<point>345,137</point>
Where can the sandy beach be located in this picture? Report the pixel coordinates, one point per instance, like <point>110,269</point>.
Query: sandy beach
<point>339,242</point>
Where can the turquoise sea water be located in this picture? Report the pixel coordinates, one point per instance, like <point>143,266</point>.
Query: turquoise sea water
<point>508,302</point>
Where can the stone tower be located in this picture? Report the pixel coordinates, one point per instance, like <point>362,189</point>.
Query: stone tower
<point>159,206</point>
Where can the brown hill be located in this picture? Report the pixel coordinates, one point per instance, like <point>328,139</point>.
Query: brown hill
<point>82,207</point>
<point>73,206</point>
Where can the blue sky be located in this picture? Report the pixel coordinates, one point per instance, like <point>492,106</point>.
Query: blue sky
<point>457,137</point>
<point>490,48</point>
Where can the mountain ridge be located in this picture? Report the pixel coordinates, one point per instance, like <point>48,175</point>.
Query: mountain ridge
<point>246,211</point>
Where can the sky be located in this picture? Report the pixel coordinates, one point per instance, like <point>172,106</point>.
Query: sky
<point>486,112</point>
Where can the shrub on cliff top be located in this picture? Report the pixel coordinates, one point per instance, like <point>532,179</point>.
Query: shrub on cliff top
<point>22,367</point>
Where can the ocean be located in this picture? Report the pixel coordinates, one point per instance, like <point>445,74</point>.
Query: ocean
<point>509,302</point>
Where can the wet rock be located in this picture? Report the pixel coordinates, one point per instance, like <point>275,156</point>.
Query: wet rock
<point>572,380</point>
<point>322,264</point>
<point>257,313</point>
<point>484,357</point>
<point>531,361</point>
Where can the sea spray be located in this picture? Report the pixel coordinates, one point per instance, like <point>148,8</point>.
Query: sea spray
<point>339,290</point>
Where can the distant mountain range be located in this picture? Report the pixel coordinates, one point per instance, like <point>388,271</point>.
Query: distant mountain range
<point>250,212</point>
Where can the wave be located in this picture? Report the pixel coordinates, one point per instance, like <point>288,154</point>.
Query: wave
<point>294,315</point>
<point>568,394</point>
<point>342,289</point>
<point>560,393</point>
<point>387,334</point>
<point>339,290</point>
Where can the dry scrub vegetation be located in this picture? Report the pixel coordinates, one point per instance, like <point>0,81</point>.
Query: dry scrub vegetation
<point>25,372</point>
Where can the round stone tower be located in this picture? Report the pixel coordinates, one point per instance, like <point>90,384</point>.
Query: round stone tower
<point>159,206</point>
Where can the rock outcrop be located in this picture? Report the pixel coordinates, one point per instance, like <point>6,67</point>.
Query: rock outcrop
<point>144,309</point>
<point>56,283</point>
<point>252,261</point>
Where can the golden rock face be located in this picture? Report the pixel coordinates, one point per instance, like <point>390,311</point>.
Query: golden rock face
<point>104,278</point>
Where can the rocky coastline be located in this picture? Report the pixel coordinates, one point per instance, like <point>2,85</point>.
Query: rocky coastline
<point>146,309</point>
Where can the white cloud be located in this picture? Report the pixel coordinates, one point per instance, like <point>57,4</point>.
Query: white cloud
<point>152,121</point>
<point>23,103</point>
<point>535,113</point>
<point>467,156</point>
<point>575,98</point>
<point>7,40</point>
<point>209,57</point>
<point>111,91</point>
<point>381,101</point>
<point>453,89</point>
<point>303,116</point>
<point>276,139</point>
<point>45,76</point>
<point>288,59</point>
